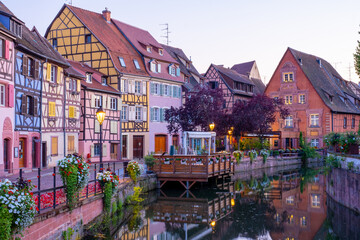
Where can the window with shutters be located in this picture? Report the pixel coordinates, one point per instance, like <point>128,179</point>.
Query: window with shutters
<point>71,144</point>
<point>97,149</point>
<point>113,103</point>
<point>53,74</point>
<point>172,70</point>
<point>136,63</point>
<point>166,90</point>
<point>2,95</point>
<point>155,114</point>
<point>113,127</point>
<point>124,85</point>
<point>124,113</point>
<point>30,67</point>
<point>29,105</point>
<point>156,89</point>
<point>88,77</point>
<point>137,87</point>
<point>138,113</point>
<point>54,146</point>
<point>159,68</point>
<point>72,85</point>
<point>162,116</point>
<point>71,112</point>
<point>98,101</point>
<point>52,109</point>
<point>122,62</point>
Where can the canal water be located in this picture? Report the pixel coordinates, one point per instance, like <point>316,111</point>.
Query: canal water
<point>287,205</point>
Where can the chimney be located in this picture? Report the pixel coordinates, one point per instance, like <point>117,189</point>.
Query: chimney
<point>319,62</point>
<point>107,14</point>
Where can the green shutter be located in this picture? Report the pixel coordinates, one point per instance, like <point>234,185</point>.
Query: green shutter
<point>174,91</point>
<point>161,89</point>
<point>179,93</point>
<point>161,114</point>
<point>152,114</point>
<point>177,71</point>
<point>152,88</point>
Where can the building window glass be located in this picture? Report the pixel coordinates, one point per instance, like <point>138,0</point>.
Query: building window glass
<point>2,95</point>
<point>103,81</point>
<point>288,99</point>
<point>137,87</point>
<point>153,66</point>
<point>29,105</point>
<point>155,114</point>
<point>124,146</point>
<point>54,146</point>
<point>138,113</point>
<point>113,127</point>
<point>97,148</point>
<point>54,43</point>
<point>136,63</point>
<point>53,73</point>
<point>353,122</point>
<point>288,77</point>
<point>113,103</point>
<point>71,144</point>
<point>71,112</point>
<point>124,85</point>
<point>302,98</point>
<point>98,101</point>
<point>314,142</point>
<point>314,120</point>
<point>31,67</point>
<point>89,77</point>
<point>88,38</point>
<point>345,122</point>
<point>156,88</point>
<point>161,51</point>
<point>122,62</point>
<point>289,122</point>
<point>315,200</point>
<point>303,221</point>
<point>290,200</point>
<point>124,110</point>
<point>148,48</point>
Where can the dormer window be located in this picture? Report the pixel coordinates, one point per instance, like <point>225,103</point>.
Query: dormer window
<point>149,49</point>
<point>136,63</point>
<point>172,69</point>
<point>122,62</point>
<point>161,51</point>
<point>88,38</point>
<point>187,65</point>
<point>89,77</point>
<point>155,66</point>
<point>54,43</point>
<point>103,81</point>
<point>288,77</point>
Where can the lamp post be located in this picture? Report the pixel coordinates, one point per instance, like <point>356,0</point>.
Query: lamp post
<point>212,126</point>
<point>100,115</point>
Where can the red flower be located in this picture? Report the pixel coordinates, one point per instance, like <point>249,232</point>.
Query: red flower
<point>37,209</point>
<point>53,174</point>
<point>31,194</point>
<point>29,180</point>
<point>38,176</point>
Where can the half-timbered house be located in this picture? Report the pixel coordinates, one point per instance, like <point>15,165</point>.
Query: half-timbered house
<point>7,121</point>
<point>72,109</point>
<point>27,84</point>
<point>94,39</point>
<point>165,84</point>
<point>96,93</point>
<point>318,98</point>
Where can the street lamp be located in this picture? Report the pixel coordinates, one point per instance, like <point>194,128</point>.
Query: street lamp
<point>212,126</point>
<point>100,115</point>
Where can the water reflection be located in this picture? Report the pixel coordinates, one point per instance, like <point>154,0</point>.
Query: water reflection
<point>287,205</point>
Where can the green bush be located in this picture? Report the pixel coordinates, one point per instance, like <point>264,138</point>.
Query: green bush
<point>5,223</point>
<point>350,166</point>
<point>149,160</point>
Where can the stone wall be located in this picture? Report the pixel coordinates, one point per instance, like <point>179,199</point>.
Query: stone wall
<point>271,162</point>
<point>344,187</point>
<point>50,225</point>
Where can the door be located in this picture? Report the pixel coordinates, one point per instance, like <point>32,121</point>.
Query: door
<point>288,143</point>
<point>138,146</point>
<point>22,153</point>
<point>6,155</point>
<point>44,161</point>
<point>124,146</point>
<point>160,144</point>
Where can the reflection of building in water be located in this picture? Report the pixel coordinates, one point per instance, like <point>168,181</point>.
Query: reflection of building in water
<point>192,217</point>
<point>300,214</point>
<point>140,233</point>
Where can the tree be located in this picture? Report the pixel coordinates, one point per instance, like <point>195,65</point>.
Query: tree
<point>257,115</point>
<point>201,107</point>
<point>357,58</point>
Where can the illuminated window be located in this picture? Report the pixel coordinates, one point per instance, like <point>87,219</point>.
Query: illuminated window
<point>54,146</point>
<point>52,111</point>
<point>71,144</point>
<point>288,77</point>
<point>302,98</point>
<point>289,122</point>
<point>314,120</point>
<point>71,112</point>
<point>315,200</point>
<point>290,200</point>
<point>291,219</point>
<point>303,221</point>
<point>288,99</point>
<point>315,142</point>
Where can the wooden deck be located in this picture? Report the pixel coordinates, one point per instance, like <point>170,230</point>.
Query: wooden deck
<point>186,168</point>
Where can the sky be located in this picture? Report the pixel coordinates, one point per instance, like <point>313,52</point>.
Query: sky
<point>229,32</point>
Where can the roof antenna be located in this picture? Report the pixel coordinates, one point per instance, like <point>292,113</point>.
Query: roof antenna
<point>166,33</point>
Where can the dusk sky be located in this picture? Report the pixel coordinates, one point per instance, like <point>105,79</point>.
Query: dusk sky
<point>230,31</point>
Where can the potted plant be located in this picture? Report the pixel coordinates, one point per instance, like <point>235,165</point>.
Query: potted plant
<point>150,162</point>
<point>253,155</point>
<point>265,154</point>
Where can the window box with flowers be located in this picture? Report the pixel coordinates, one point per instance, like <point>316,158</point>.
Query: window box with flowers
<point>108,182</point>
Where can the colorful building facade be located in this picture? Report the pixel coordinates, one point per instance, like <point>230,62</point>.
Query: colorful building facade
<point>319,100</point>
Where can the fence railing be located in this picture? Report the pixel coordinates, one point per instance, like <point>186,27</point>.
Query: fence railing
<point>49,191</point>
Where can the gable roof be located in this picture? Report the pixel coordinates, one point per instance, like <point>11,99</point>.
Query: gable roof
<point>4,10</point>
<point>243,68</point>
<point>327,82</point>
<point>140,39</point>
<point>112,39</point>
<point>259,86</point>
<point>95,85</point>
<point>232,75</point>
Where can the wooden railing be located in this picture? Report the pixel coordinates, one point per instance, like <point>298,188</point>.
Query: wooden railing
<point>188,166</point>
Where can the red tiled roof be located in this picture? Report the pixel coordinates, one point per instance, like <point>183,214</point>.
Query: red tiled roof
<point>113,39</point>
<point>96,77</point>
<point>142,38</point>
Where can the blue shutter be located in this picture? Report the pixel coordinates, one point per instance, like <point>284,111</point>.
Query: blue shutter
<point>178,72</point>
<point>152,88</point>
<point>170,91</point>
<point>161,114</point>
<point>179,93</point>
<point>174,91</point>
<point>151,114</point>
<point>161,89</point>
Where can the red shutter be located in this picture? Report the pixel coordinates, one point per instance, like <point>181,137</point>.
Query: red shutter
<point>7,51</point>
<point>10,96</point>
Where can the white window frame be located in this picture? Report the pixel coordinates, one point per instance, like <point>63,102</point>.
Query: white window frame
<point>136,63</point>
<point>315,201</point>
<point>166,90</point>
<point>52,74</point>
<point>314,120</point>
<point>138,87</point>
<point>138,113</point>
<point>122,62</point>
<point>124,86</point>
<point>103,81</point>
<point>156,88</point>
<point>289,122</point>
<point>2,95</point>
<point>113,127</point>
<point>153,66</point>
<point>156,116</point>
<point>149,49</point>
<point>113,103</point>
<point>98,101</point>
<point>315,142</point>
<point>290,200</point>
<point>302,98</point>
<point>124,109</point>
<point>288,99</point>
<point>161,51</point>
<point>88,77</point>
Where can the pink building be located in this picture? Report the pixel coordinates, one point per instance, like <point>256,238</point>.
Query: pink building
<point>96,93</point>
<point>165,84</point>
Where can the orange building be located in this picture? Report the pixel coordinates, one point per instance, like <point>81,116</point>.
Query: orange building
<point>319,99</point>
